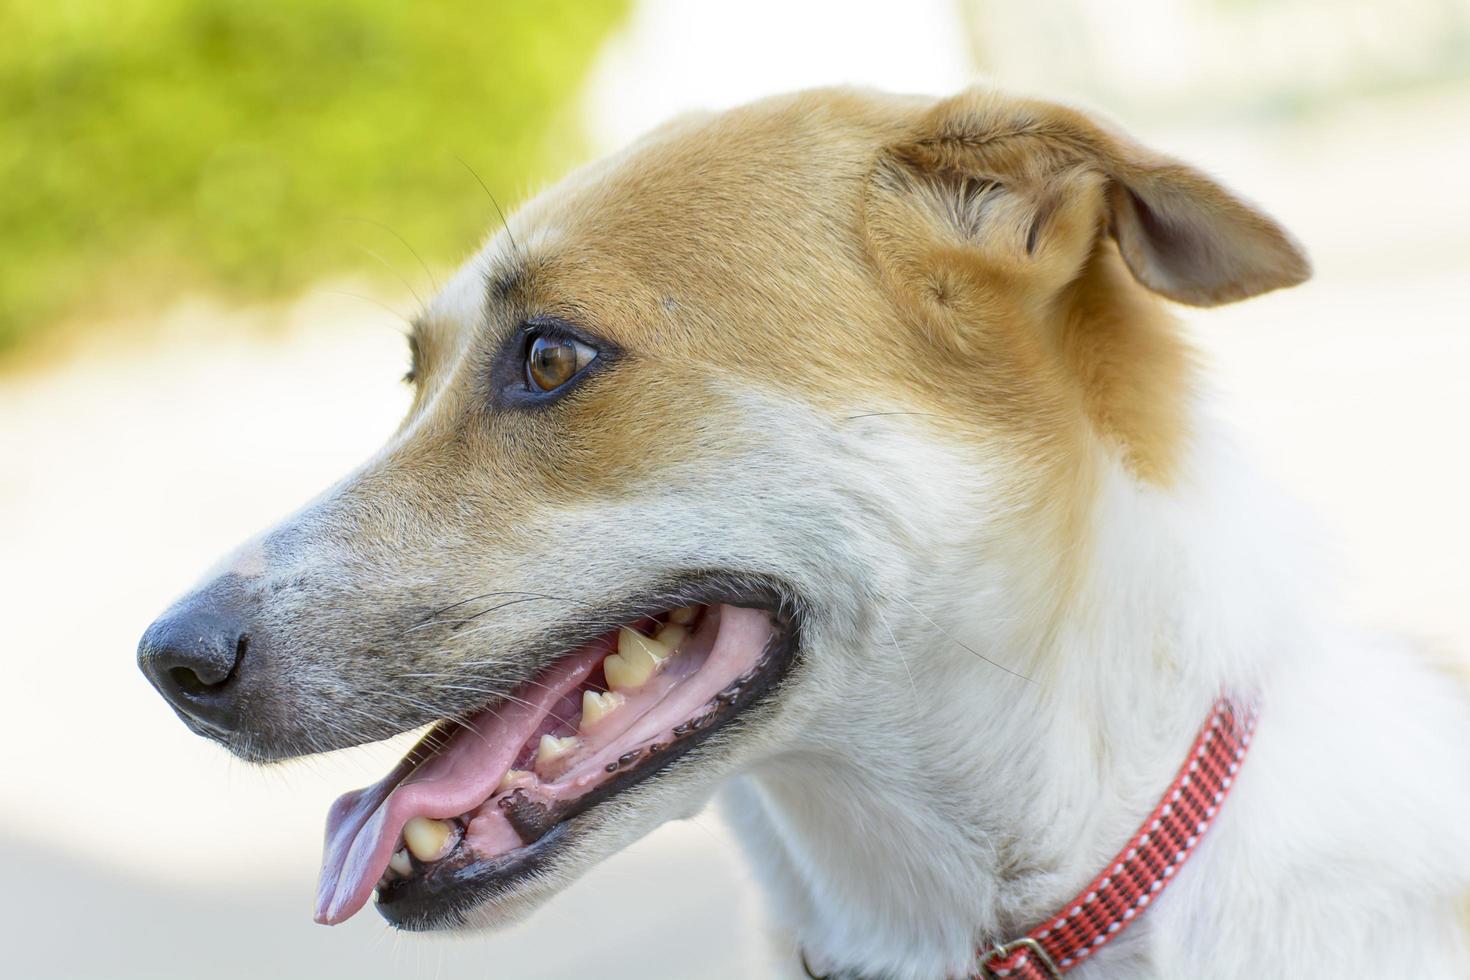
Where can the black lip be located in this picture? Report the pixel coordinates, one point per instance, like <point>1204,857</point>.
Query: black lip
<point>443,894</point>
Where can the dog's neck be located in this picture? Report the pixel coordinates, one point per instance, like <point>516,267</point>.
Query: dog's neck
<point>969,803</point>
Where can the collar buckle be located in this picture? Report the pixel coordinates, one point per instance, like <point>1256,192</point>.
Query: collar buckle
<point>1028,946</point>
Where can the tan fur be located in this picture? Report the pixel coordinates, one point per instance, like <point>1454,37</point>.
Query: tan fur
<point>776,214</point>
<point>770,216</point>
<point>1134,368</point>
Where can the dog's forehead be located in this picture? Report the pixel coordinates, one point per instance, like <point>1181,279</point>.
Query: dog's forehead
<point>701,223</point>
<point>729,247</point>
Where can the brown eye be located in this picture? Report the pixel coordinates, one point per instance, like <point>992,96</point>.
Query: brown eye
<point>553,361</point>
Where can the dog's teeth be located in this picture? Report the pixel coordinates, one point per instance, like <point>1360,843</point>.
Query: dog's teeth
<point>596,707</point>
<point>684,616</point>
<point>400,863</point>
<point>553,748</point>
<point>512,779</point>
<point>672,635</point>
<point>637,658</point>
<point>426,838</point>
<point>623,674</point>
<point>631,642</point>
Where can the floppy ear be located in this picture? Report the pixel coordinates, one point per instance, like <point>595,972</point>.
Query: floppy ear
<point>1028,186</point>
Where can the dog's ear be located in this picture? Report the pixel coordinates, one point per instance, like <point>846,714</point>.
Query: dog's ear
<point>1024,190</point>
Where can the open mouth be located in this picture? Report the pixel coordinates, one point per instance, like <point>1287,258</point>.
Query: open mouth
<point>483,802</point>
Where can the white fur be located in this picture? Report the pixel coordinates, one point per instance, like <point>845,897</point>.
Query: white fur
<point>929,798</point>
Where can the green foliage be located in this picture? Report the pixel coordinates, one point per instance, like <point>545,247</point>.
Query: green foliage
<point>248,145</point>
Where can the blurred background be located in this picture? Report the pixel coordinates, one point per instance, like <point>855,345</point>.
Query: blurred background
<point>215,216</point>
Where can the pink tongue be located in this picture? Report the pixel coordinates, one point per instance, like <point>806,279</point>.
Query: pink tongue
<point>364,827</point>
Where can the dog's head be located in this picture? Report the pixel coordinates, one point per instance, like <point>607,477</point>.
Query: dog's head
<point>694,439</point>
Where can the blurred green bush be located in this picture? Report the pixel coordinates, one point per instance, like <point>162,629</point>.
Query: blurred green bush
<point>248,145</point>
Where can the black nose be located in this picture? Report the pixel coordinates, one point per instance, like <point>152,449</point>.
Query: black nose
<point>193,654</point>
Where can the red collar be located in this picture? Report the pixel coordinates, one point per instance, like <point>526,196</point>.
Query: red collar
<point>1142,868</point>
<point>1145,864</point>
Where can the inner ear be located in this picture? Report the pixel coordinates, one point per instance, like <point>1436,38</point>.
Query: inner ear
<point>1187,238</point>
<point>1163,254</point>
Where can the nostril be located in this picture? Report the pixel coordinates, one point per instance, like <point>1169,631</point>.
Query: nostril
<point>240,646</point>
<point>191,682</point>
<point>188,682</point>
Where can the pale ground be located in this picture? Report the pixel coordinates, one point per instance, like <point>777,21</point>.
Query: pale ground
<point>134,849</point>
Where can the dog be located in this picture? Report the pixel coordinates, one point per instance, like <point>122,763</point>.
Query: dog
<point>840,454</point>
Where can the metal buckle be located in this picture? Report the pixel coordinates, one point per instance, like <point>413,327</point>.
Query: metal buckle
<point>999,952</point>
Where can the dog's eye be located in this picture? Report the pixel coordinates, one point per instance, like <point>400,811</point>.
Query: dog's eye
<point>553,361</point>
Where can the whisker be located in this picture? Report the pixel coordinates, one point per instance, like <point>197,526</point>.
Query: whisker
<point>404,242</point>
<point>368,299</point>
<point>901,658</point>
<point>393,269</point>
<point>515,247</point>
<point>507,697</point>
<point>435,713</point>
<point>486,595</point>
<point>874,415</point>
<point>484,612</point>
<point>962,645</point>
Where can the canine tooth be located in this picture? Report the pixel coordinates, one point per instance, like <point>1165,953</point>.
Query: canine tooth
<point>400,863</point>
<point>513,778</point>
<point>636,660</point>
<point>596,707</point>
<point>425,837</point>
<point>672,635</point>
<point>632,642</point>
<point>624,673</point>
<point>684,616</point>
<point>553,748</point>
